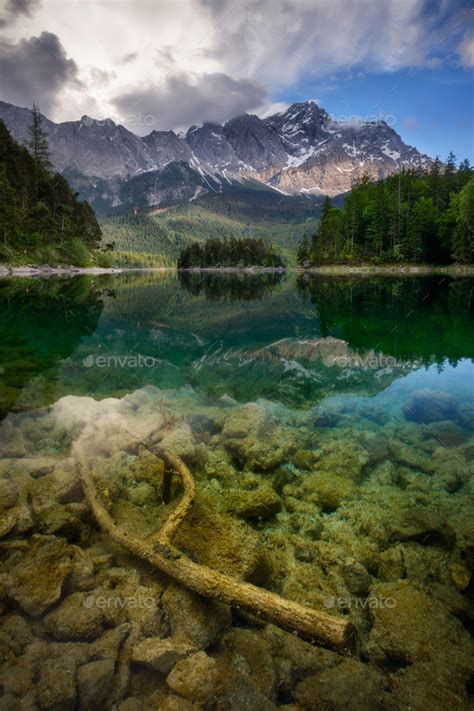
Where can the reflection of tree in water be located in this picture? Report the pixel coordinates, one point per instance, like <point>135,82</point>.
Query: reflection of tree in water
<point>229,286</point>
<point>428,318</point>
<point>41,322</point>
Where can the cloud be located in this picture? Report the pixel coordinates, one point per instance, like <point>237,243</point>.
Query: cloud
<point>283,41</point>
<point>129,57</point>
<point>274,107</point>
<point>14,8</point>
<point>183,100</point>
<point>35,70</point>
<point>227,52</point>
<point>466,50</point>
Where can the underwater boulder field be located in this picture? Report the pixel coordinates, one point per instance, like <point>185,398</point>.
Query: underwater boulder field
<point>236,493</point>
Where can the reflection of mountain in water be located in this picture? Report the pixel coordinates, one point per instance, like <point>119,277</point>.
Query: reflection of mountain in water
<point>41,322</point>
<point>297,372</point>
<point>246,337</point>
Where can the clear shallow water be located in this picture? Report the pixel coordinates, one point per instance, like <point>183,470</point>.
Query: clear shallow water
<point>329,425</point>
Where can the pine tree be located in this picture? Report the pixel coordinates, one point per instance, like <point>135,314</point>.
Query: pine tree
<point>463,239</point>
<point>435,181</point>
<point>38,143</point>
<point>321,242</point>
<point>9,212</point>
<point>304,251</point>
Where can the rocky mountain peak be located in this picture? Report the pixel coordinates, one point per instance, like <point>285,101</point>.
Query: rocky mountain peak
<point>298,150</point>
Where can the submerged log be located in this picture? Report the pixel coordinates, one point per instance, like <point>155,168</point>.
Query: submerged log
<point>315,626</point>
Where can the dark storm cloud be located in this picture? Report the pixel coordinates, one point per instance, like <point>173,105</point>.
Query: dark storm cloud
<point>181,101</point>
<point>14,8</point>
<point>35,70</point>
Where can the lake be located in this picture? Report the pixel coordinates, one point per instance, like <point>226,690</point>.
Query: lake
<point>328,423</point>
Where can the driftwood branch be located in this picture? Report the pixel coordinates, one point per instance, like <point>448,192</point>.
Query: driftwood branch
<point>317,627</point>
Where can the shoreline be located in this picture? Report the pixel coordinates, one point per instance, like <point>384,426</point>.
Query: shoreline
<point>391,269</point>
<point>46,271</point>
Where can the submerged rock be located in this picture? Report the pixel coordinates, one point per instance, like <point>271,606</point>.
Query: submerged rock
<point>349,685</point>
<point>328,490</point>
<point>423,525</point>
<point>75,619</point>
<point>37,580</point>
<point>194,620</point>
<point>94,681</point>
<point>244,696</point>
<point>160,654</point>
<point>356,577</point>
<point>409,627</point>
<point>343,459</point>
<point>426,406</point>
<point>251,436</point>
<point>447,433</point>
<point>420,686</point>
<point>194,678</point>
<point>9,493</point>
<point>221,541</point>
<point>260,503</point>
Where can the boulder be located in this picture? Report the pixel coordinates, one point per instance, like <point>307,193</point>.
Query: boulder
<point>425,526</point>
<point>75,619</point>
<point>327,489</point>
<point>220,541</point>
<point>193,619</point>
<point>160,654</point>
<point>37,579</point>
<point>410,627</point>
<point>426,406</point>
<point>349,685</point>
<point>93,683</point>
<point>9,493</point>
<point>260,503</point>
<point>194,678</point>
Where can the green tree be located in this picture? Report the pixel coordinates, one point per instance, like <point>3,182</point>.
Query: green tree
<point>421,231</point>
<point>38,143</point>
<point>463,240</point>
<point>9,211</point>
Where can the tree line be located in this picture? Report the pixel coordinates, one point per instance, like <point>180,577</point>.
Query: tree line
<point>412,216</point>
<point>40,216</point>
<point>245,252</point>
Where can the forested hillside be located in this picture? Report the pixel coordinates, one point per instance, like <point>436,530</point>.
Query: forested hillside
<point>419,217</point>
<point>41,220</point>
<point>238,212</point>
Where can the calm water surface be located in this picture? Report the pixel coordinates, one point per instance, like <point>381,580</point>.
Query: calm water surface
<point>244,337</point>
<point>329,425</point>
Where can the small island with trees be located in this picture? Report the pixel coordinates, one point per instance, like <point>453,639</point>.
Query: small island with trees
<point>233,253</point>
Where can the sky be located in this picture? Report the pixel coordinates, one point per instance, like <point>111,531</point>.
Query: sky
<point>159,64</point>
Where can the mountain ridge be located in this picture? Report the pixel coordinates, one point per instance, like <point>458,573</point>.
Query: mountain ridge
<point>299,151</point>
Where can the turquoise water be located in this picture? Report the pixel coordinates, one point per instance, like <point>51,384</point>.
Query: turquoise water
<point>245,337</point>
<point>329,426</point>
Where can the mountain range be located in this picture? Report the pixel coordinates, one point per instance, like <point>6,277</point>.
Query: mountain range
<point>300,151</point>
